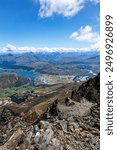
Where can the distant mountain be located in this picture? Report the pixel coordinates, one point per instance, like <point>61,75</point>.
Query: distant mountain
<point>51,57</point>
<point>53,63</point>
<point>45,56</point>
<point>12,80</point>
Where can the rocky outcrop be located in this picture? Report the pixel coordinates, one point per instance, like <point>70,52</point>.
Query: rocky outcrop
<point>6,123</point>
<point>54,134</point>
<point>89,90</point>
<point>12,80</point>
<point>17,134</point>
<point>54,124</point>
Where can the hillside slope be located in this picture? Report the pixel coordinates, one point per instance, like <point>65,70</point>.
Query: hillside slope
<point>12,80</point>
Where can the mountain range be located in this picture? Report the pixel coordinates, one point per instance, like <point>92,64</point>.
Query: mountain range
<point>52,63</point>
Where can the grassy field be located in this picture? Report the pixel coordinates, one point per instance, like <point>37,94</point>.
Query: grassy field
<point>10,91</point>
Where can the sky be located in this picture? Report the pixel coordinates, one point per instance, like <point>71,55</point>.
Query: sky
<point>49,25</point>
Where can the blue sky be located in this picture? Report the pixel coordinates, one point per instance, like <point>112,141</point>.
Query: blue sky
<point>42,23</point>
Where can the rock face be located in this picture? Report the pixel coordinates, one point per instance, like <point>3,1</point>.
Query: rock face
<point>56,134</point>
<point>6,123</point>
<point>54,125</point>
<point>12,80</point>
<point>17,134</point>
<point>89,90</point>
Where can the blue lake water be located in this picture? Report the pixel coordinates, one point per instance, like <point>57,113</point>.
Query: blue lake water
<point>30,75</point>
<point>27,74</point>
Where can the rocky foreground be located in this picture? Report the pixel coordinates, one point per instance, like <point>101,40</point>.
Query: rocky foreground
<point>63,118</point>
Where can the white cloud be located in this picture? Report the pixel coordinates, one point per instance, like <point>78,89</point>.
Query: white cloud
<point>13,49</point>
<point>85,34</point>
<point>95,46</point>
<point>61,7</point>
<point>95,1</point>
<point>9,48</point>
<point>67,8</point>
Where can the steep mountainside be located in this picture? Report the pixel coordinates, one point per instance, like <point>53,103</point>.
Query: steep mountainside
<point>12,80</point>
<point>89,90</point>
<point>49,119</point>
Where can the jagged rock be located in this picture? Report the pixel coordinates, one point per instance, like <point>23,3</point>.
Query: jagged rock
<point>15,140</point>
<point>54,108</point>
<point>44,125</point>
<point>8,119</point>
<point>89,90</point>
<point>71,127</point>
<point>31,117</point>
<point>61,125</point>
<point>5,101</point>
<point>69,102</point>
<point>6,115</point>
<point>44,138</point>
<point>47,114</point>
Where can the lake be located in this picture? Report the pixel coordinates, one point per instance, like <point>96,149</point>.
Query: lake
<point>27,74</point>
<point>30,75</point>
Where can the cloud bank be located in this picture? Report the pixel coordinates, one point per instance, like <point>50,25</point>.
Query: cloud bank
<point>13,49</point>
<point>66,8</point>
